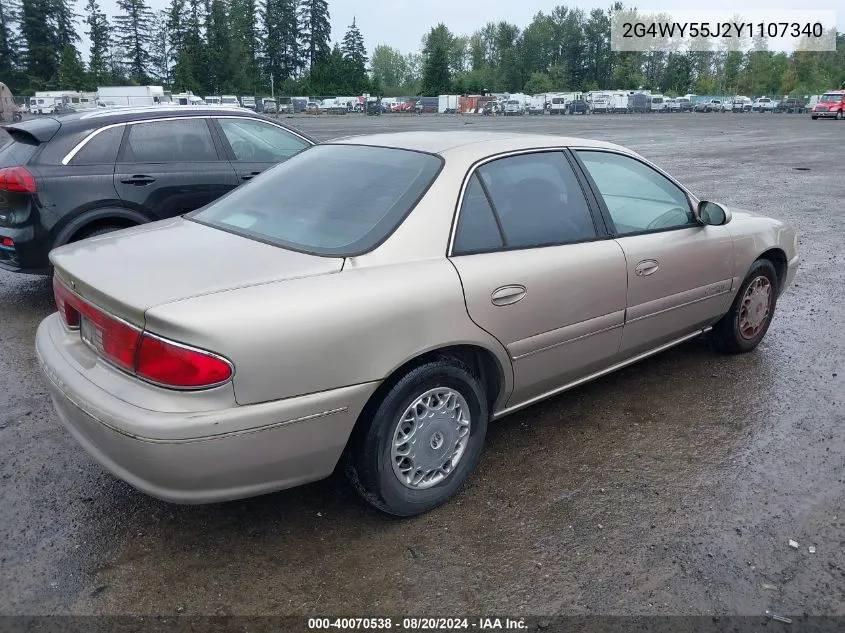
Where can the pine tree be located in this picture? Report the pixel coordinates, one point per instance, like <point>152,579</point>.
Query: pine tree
<point>9,16</point>
<point>63,18</point>
<point>245,43</point>
<point>355,56</point>
<point>219,45</point>
<point>39,41</point>
<point>98,34</point>
<point>160,49</point>
<point>281,40</point>
<point>71,73</point>
<point>134,35</point>
<point>315,29</point>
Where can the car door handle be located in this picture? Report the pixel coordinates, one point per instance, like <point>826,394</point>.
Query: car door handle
<point>647,267</point>
<point>506,295</point>
<point>248,175</point>
<point>138,180</point>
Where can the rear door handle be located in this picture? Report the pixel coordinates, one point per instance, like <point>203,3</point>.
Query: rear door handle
<point>506,295</point>
<point>647,267</point>
<point>138,180</point>
<point>248,175</point>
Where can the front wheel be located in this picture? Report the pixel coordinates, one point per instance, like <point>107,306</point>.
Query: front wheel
<point>421,441</point>
<point>748,320</point>
<point>839,115</point>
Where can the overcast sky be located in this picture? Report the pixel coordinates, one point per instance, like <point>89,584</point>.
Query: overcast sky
<point>402,23</point>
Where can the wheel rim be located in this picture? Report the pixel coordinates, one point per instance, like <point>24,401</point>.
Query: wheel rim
<point>755,307</point>
<point>431,438</point>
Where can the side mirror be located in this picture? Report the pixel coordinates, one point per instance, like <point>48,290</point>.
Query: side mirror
<point>712,214</point>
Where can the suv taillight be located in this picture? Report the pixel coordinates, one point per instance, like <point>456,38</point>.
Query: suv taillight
<point>145,355</point>
<point>16,180</point>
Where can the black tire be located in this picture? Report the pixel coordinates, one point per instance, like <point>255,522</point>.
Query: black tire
<point>839,115</point>
<point>368,457</point>
<point>814,117</point>
<point>727,335</point>
<point>102,230</point>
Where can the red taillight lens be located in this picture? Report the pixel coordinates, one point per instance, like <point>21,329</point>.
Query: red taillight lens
<point>175,365</point>
<point>17,180</point>
<point>111,338</point>
<point>147,356</point>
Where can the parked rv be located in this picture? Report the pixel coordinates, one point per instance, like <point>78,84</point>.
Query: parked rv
<point>130,95</point>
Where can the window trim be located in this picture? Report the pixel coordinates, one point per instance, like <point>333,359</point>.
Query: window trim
<point>227,146</point>
<point>692,200</point>
<point>595,213</point>
<point>75,150</point>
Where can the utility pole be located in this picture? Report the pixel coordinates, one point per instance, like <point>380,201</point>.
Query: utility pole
<point>272,88</point>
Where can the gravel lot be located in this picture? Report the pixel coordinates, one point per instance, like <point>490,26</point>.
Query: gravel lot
<point>672,487</point>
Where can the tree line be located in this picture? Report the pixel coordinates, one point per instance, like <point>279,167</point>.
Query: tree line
<point>237,46</point>
<point>204,46</point>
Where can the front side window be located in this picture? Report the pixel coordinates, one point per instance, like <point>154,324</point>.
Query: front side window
<point>257,141</point>
<point>175,141</point>
<point>338,200</point>
<point>538,200</point>
<point>638,197</point>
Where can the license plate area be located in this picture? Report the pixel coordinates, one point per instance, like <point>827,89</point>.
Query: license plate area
<point>90,334</point>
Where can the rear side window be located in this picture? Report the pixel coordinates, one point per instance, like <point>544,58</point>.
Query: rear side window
<point>176,141</point>
<point>100,150</point>
<point>538,200</point>
<point>477,228</point>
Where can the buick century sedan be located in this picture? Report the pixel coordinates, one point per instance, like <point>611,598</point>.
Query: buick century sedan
<point>373,302</point>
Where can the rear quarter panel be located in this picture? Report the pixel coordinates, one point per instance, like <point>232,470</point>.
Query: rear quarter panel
<point>314,334</point>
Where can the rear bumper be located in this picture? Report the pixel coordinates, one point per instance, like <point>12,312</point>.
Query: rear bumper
<point>225,454</point>
<point>29,254</point>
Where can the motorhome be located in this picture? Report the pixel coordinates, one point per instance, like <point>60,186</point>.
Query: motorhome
<point>187,98</point>
<point>130,95</point>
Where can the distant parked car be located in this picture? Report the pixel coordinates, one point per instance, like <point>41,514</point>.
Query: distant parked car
<point>684,104</point>
<point>66,178</point>
<point>712,105</point>
<point>763,104</point>
<point>831,104</point>
<point>234,351</point>
<point>537,107</point>
<point>672,105</point>
<point>792,105</point>
<point>514,107</point>
<point>578,106</point>
<point>739,105</point>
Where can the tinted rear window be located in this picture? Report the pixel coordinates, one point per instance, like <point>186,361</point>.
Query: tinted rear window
<point>102,149</point>
<point>339,200</point>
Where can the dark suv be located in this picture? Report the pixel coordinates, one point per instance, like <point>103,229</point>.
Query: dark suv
<point>69,177</point>
<point>798,106</point>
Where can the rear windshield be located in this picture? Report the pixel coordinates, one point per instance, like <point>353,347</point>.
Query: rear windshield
<point>338,200</point>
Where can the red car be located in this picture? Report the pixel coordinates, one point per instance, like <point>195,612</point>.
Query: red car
<point>832,104</point>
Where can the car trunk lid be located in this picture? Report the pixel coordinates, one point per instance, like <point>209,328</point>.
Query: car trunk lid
<point>128,272</point>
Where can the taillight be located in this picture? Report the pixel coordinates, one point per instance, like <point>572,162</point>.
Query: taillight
<point>150,357</point>
<point>17,180</point>
<point>176,365</point>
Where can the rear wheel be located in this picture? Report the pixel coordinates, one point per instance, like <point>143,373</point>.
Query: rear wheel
<point>421,441</point>
<point>748,320</point>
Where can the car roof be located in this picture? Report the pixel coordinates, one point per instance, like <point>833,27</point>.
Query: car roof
<point>473,145</point>
<point>90,119</point>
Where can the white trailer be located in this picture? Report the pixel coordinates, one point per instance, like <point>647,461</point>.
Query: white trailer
<point>125,96</point>
<point>447,104</point>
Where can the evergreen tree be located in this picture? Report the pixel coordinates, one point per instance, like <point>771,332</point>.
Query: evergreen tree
<point>63,18</point>
<point>436,77</point>
<point>71,73</point>
<point>40,41</point>
<point>244,27</point>
<point>134,36</point>
<point>160,49</point>
<point>9,16</point>
<point>98,34</point>
<point>220,45</point>
<point>355,56</point>
<point>315,30</point>
<point>281,40</point>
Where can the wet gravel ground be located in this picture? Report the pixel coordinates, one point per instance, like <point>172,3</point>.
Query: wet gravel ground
<point>671,487</point>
